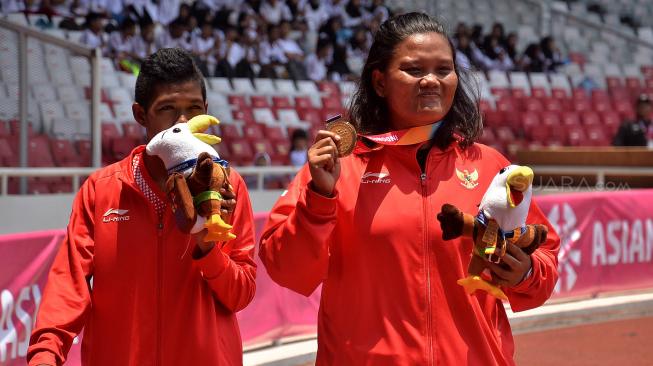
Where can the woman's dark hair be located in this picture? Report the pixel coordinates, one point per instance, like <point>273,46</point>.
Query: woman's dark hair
<point>369,112</point>
<point>167,66</point>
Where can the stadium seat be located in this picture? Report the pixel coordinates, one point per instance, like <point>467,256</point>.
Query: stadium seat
<point>4,129</point>
<point>303,102</point>
<point>243,86</point>
<point>611,121</point>
<point>123,112</point>
<point>259,101</point>
<point>122,147</point>
<point>64,128</point>
<point>44,93</point>
<point>254,131</point>
<point>221,85</point>
<point>39,153</point>
<point>576,136</point>
<point>285,87</point>
<point>241,152</point>
<point>78,111</point>
<point>127,80</point>
<point>328,87</point>
<point>596,136</point>
<point>307,87</point>
<point>265,86</point>
<point>310,115</point>
<point>51,111</point>
<point>288,116</point>
<point>110,132</point>
<point>244,115</point>
<point>69,93</point>
<point>532,105</point>
<point>331,103</point>
<point>64,153</point>
<point>237,101</point>
<point>281,102</point>
<point>133,131</point>
<point>264,115</point>
<point>591,118</point>
<point>274,133</point>
<point>347,88</point>
<point>230,132</point>
<point>519,83</point>
<point>8,158</point>
<point>120,95</point>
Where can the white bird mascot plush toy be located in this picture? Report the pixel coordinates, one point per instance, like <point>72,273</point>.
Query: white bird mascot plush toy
<point>501,218</point>
<point>195,175</point>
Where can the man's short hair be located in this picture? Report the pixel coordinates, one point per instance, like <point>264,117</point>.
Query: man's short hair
<point>167,66</point>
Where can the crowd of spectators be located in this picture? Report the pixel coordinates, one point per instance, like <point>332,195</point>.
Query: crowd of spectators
<point>498,51</point>
<point>297,39</point>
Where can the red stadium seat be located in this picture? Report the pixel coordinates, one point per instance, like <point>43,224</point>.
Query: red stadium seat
<point>328,87</point>
<point>633,83</point>
<point>611,121</point>
<point>580,105</point>
<point>538,93</point>
<point>243,114</point>
<point>559,93</point>
<point>230,132</point>
<point>488,136</point>
<point>109,132</point>
<point>7,155</point>
<point>281,102</point>
<point>647,71</point>
<point>259,101</point>
<point>121,147</point>
<point>591,118</point>
<point>576,136</point>
<point>596,136</point>
<point>39,153</point>
<point>64,153</point>
<point>331,103</point>
<point>518,93</point>
<point>622,94</point>
<point>579,93</point>
<point>570,119</point>
<point>310,115</point>
<point>237,101</point>
<point>600,94</point>
<point>551,104</point>
<point>303,102</point>
<point>501,93</point>
<point>263,146</point>
<point>601,105</point>
<point>532,105</point>
<point>253,131</point>
<point>504,135</point>
<point>577,58</point>
<point>133,131</point>
<point>625,109</point>
<point>241,152</point>
<point>613,82</point>
<point>274,133</point>
<point>14,128</point>
<point>4,129</point>
<point>493,118</point>
<point>84,149</point>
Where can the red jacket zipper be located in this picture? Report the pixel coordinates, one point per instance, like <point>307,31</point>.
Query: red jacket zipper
<point>427,253</point>
<point>159,290</point>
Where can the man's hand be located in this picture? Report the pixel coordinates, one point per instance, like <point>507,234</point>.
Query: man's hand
<point>228,204</point>
<point>514,266</point>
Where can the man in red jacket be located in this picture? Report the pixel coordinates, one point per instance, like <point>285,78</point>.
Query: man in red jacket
<point>144,292</point>
<point>364,226</point>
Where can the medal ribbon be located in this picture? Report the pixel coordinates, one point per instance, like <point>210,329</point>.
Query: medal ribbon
<point>409,136</point>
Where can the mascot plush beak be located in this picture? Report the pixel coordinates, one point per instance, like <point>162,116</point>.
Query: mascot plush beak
<point>199,124</point>
<point>518,182</point>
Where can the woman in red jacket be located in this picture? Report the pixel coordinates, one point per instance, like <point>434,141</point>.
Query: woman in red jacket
<point>364,226</point>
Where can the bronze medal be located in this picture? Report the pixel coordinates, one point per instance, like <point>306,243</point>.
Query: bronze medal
<point>347,134</point>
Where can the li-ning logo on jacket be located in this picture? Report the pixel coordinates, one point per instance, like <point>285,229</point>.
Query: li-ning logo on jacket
<point>115,215</point>
<point>377,178</point>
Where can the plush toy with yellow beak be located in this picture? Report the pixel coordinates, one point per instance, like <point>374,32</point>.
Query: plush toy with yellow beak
<point>195,175</point>
<point>501,218</point>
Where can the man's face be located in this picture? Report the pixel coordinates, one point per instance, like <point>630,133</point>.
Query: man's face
<point>171,104</point>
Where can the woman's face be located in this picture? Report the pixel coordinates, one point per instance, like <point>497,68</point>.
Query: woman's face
<point>420,81</point>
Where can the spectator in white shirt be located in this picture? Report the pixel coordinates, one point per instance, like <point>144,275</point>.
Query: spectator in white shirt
<point>121,42</point>
<point>316,13</point>
<point>272,55</point>
<point>94,35</point>
<point>239,56</point>
<point>274,11</point>
<point>205,46</point>
<point>378,10</point>
<point>316,63</point>
<point>292,51</point>
<point>354,14</point>
<point>144,44</point>
<point>175,37</point>
<point>337,8</point>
